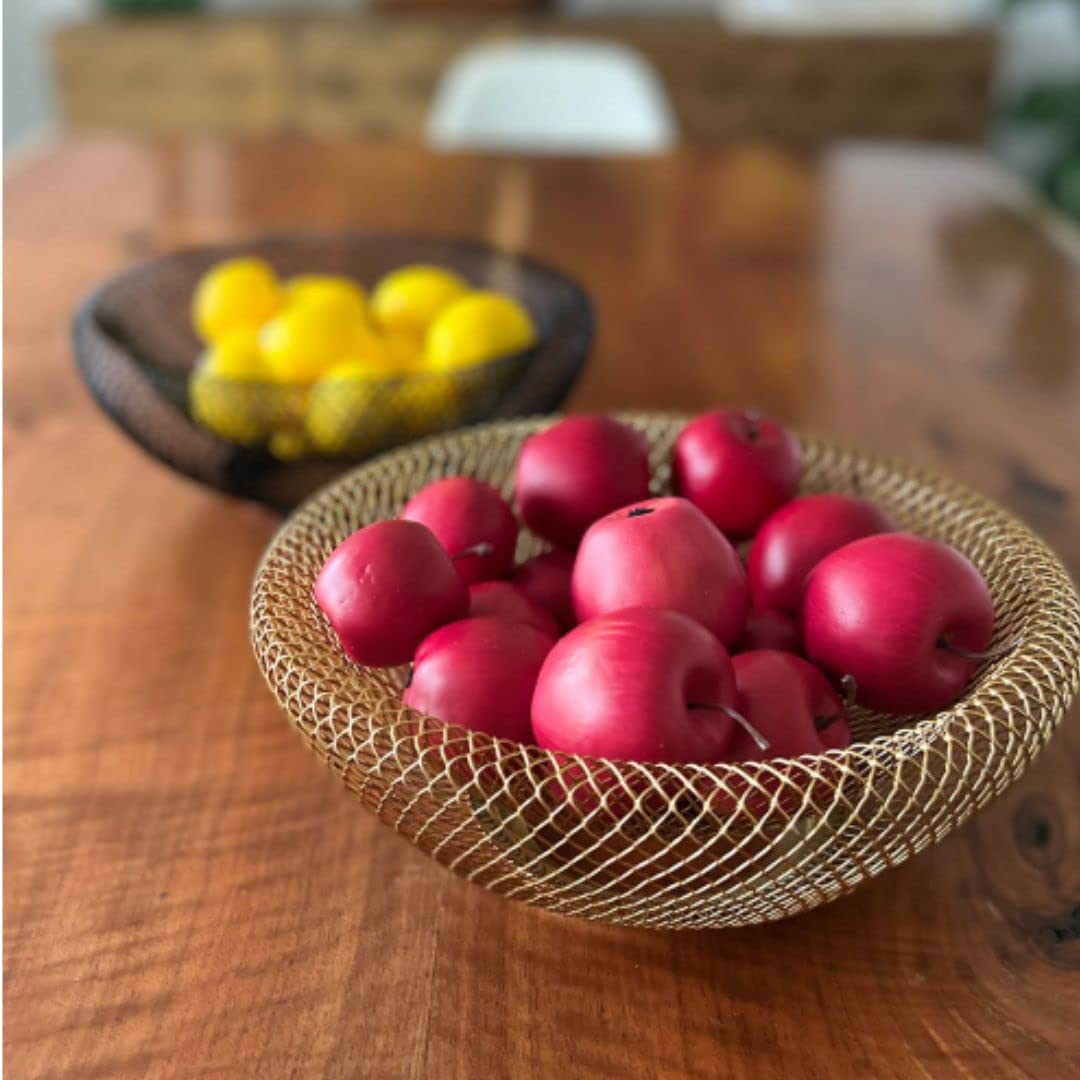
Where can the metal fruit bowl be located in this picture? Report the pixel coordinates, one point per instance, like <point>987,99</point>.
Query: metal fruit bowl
<point>671,845</point>
<point>135,348</point>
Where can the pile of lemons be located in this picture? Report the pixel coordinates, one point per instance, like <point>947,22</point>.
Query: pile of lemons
<point>313,364</point>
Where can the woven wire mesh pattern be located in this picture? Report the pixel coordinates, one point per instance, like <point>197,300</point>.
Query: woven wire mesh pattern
<point>135,349</point>
<point>686,846</point>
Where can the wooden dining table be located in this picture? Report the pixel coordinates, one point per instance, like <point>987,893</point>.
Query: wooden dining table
<point>188,893</point>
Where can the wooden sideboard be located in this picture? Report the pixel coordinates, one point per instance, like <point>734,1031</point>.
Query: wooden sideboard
<point>372,76</point>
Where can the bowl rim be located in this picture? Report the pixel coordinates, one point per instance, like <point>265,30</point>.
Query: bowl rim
<point>912,735</point>
<point>224,249</point>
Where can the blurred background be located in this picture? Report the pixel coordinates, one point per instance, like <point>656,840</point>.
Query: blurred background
<point>500,74</point>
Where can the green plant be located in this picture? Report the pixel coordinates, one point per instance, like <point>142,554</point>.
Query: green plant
<point>1052,108</point>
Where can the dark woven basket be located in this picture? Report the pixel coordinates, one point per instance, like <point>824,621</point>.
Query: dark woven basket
<point>135,348</point>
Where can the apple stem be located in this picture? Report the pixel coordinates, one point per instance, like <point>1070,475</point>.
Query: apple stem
<point>991,654</point>
<point>753,418</point>
<point>477,549</point>
<point>821,723</point>
<point>851,688</point>
<point>762,742</point>
<point>759,739</point>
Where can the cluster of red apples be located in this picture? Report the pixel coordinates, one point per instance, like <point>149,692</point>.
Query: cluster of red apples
<point>641,635</point>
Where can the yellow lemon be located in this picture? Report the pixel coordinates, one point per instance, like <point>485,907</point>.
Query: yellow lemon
<point>236,356</point>
<point>405,353</point>
<point>288,444</point>
<point>222,406</point>
<point>227,394</point>
<point>427,403</point>
<point>408,299</point>
<point>285,405</point>
<point>234,294</point>
<point>479,327</point>
<point>305,340</point>
<point>327,289</point>
<point>348,410</point>
<point>383,357</point>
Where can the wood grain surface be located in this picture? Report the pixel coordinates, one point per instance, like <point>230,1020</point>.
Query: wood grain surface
<point>188,893</point>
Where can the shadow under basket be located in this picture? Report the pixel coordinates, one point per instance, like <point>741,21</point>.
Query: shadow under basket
<point>135,349</point>
<point>686,846</point>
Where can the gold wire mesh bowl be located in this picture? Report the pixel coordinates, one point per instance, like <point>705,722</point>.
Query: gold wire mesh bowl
<point>670,845</point>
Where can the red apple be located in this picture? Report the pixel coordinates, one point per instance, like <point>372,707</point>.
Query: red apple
<point>662,553</point>
<point>576,471</point>
<point>768,629</point>
<point>737,467</point>
<point>480,674</point>
<point>790,703</point>
<point>902,614</point>
<point>637,685</point>
<point>385,588</point>
<point>510,602</point>
<point>546,578</point>
<point>465,514</point>
<point>798,536</point>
